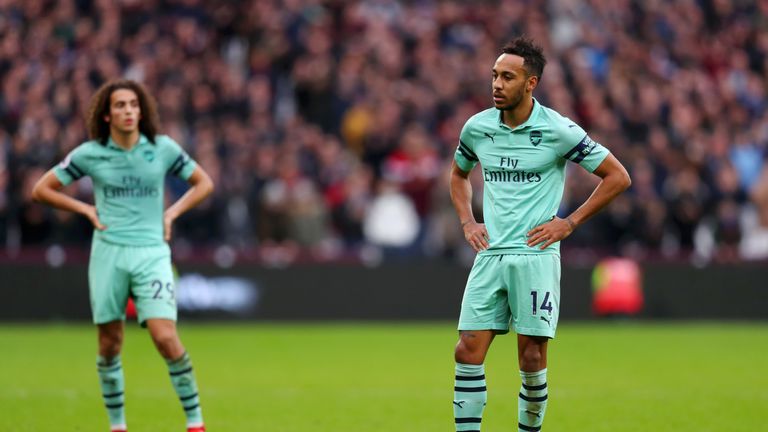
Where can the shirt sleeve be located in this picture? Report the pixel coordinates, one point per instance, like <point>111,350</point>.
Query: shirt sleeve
<point>178,161</point>
<point>465,156</point>
<point>73,167</point>
<point>575,145</point>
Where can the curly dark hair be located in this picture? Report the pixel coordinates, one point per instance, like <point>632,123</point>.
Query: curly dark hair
<point>98,129</point>
<point>532,54</point>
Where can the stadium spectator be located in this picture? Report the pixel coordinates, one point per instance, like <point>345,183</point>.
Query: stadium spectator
<point>347,91</point>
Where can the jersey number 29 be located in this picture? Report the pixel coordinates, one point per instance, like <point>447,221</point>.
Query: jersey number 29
<point>157,285</point>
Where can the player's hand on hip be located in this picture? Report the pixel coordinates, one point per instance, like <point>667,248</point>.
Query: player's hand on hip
<point>167,226</point>
<point>93,216</point>
<point>476,235</point>
<point>549,232</point>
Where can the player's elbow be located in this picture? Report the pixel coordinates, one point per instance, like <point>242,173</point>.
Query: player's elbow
<point>625,181</point>
<point>619,179</point>
<point>202,183</point>
<point>38,193</point>
<point>206,186</point>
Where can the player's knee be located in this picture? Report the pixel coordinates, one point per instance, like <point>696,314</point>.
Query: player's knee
<point>168,344</point>
<point>164,340</point>
<point>110,343</point>
<point>531,359</point>
<point>467,354</point>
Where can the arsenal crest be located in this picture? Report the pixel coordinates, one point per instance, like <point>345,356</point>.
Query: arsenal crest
<point>535,137</point>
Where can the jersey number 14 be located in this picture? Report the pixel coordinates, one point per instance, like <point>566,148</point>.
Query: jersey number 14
<point>546,304</point>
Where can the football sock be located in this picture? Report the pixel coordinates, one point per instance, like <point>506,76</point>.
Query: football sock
<point>112,389</point>
<point>184,383</point>
<point>469,396</point>
<point>532,401</point>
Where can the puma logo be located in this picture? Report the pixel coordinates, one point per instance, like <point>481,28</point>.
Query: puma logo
<point>459,404</point>
<point>490,136</point>
<point>533,413</point>
<point>546,321</point>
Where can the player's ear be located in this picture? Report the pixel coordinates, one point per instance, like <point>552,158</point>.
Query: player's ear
<point>106,118</point>
<point>533,81</point>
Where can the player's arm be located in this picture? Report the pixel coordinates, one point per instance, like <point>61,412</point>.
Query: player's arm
<point>47,190</point>
<point>461,196</point>
<point>201,186</point>
<point>614,180</point>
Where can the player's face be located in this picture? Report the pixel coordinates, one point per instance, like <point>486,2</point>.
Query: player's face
<point>511,82</point>
<point>124,111</point>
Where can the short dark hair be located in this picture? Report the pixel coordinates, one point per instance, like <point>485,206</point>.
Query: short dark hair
<point>98,129</point>
<point>532,54</point>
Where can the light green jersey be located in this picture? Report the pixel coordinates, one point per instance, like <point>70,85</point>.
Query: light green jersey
<point>128,185</point>
<point>523,171</point>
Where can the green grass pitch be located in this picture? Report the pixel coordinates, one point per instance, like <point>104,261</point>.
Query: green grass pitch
<point>361,377</point>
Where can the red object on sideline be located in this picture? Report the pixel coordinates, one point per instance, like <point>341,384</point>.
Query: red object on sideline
<point>130,309</point>
<point>617,287</point>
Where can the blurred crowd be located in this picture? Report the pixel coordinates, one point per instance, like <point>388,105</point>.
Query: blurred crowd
<point>329,126</point>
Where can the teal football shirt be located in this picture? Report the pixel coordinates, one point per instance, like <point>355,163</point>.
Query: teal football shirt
<point>128,185</point>
<point>523,171</point>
